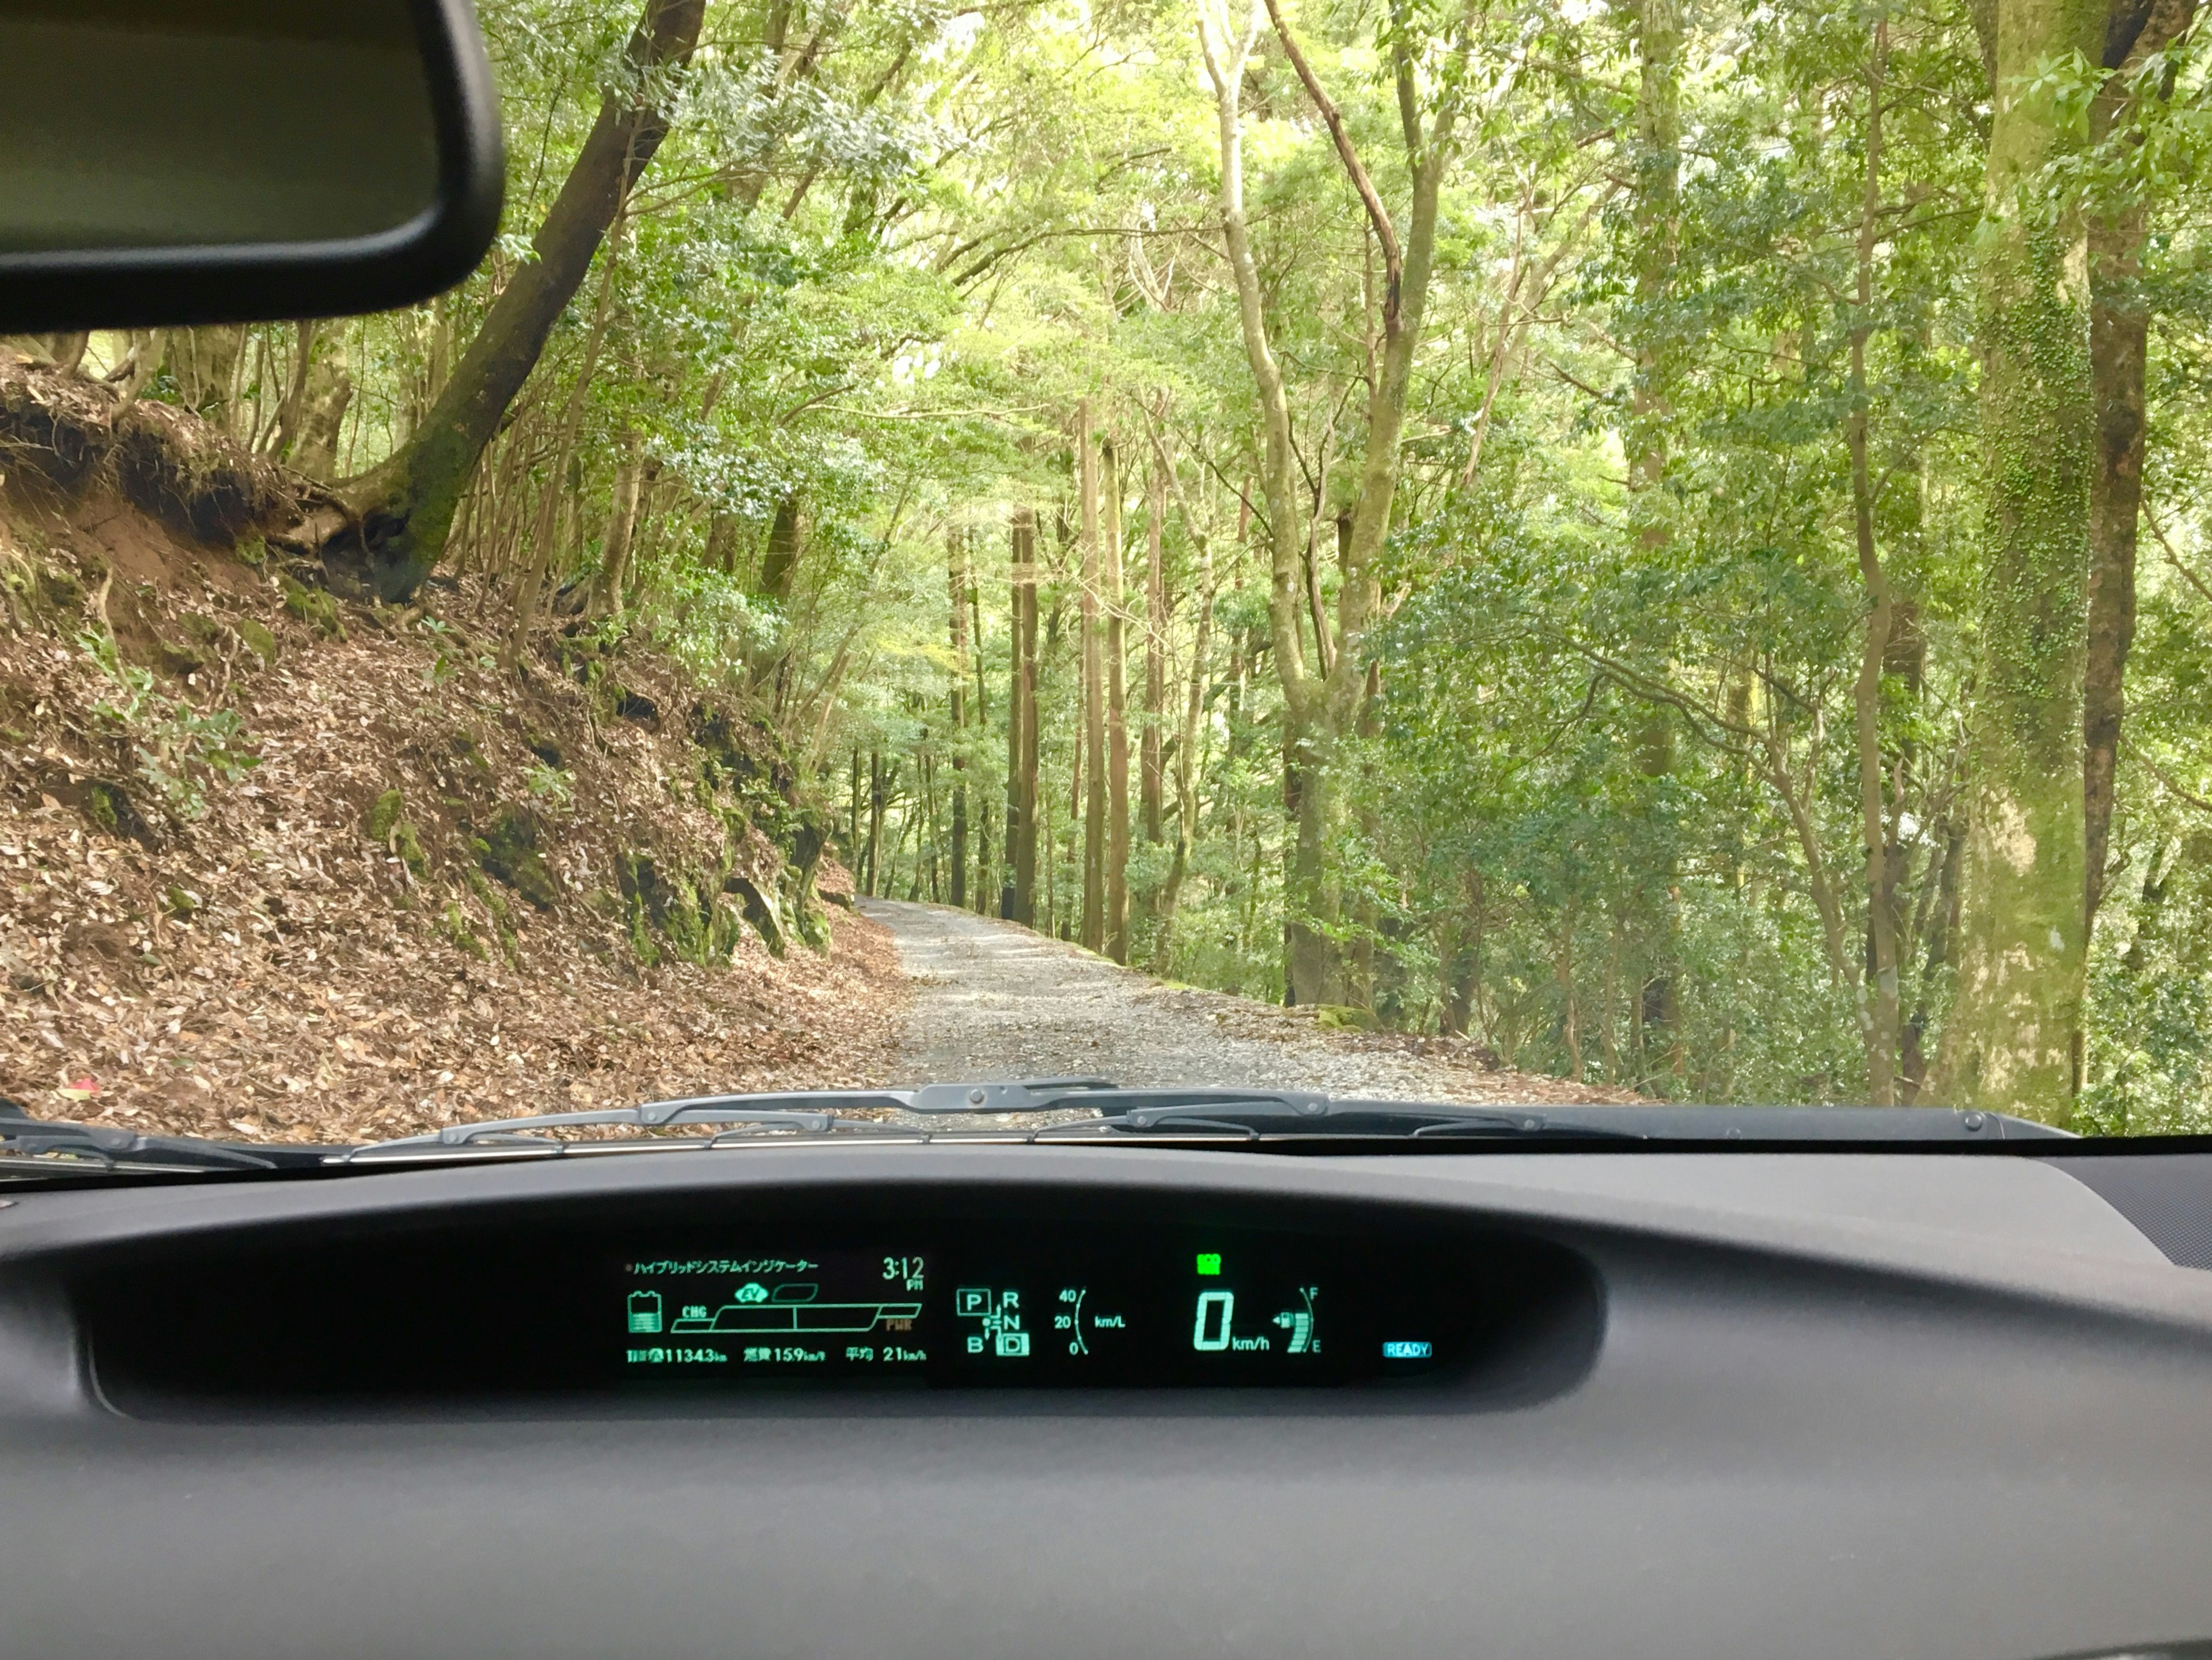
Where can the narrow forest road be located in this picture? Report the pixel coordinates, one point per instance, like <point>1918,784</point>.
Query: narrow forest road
<point>994,1000</point>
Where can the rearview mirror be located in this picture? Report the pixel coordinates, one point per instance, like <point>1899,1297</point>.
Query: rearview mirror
<point>166,162</point>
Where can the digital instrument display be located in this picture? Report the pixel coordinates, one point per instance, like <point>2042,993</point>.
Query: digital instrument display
<point>1198,1309</point>
<point>696,1298</point>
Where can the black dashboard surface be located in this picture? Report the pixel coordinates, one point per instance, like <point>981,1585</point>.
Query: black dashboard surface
<point>1711,1405</point>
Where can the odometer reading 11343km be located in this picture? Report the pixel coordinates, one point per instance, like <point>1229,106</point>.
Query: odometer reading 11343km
<point>775,1311</point>
<point>1043,1308</point>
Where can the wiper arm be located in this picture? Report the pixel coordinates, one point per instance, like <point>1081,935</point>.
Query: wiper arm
<point>808,1112</point>
<point>1280,1115</point>
<point>1112,1113</point>
<point>35,1146</point>
<point>803,1112</point>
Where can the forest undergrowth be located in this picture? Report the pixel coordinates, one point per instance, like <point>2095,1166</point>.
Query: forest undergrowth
<point>279,867</point>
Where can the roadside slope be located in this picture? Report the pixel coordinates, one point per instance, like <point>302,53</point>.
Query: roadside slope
<point>997,1001</point>
<point>277,865</point>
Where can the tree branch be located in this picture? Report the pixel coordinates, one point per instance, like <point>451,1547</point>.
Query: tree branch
<point>1394,259</point>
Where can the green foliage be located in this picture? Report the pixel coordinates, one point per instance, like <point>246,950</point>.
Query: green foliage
<point>1603,814</point>
<point>177,746</point>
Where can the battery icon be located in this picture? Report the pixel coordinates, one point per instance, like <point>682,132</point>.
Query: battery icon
<point>645,1310</point>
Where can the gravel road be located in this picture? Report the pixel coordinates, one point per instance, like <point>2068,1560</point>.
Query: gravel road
<point>993,1000</point>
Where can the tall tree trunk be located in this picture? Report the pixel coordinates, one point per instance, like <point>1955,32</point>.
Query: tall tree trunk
<point>2119,339</point>
<point>285,434</point>
<point>206,364</point>
<point>323,411</point>
<point>769,661</point>
<point>622,529</point>
<point>1092,931</point>
<point>987,892</point>
<point>558,488</point>
<point>2013,1035</point>
<point>779,563</point>
<point>1321,703</point>
<point>1655,216</point>
<point>875,821</point>
<point>1186,745</point>
<point>1113,604</point>
<point>148,350</point>
<point>1226,54</point>
<point>1151,768</point>
<point>956,572</point>
<point>1878,1003</point>
<point>852,817</point>
<point>1019,902</point>
<point>406,507</point>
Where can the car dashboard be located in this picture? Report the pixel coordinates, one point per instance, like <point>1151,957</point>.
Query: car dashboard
<point>984,1400</point>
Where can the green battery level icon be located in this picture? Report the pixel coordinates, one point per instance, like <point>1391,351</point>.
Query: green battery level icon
<point>645,1310</point>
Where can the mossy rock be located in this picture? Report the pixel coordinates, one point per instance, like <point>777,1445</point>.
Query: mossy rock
<point>687,923</point>
<point>59,590</point>
<point>634,706</point>
<point>764,911</point>
<point>384,815</point>
<point>643,943</point>
<point>1342,1017</point>
<point>177,661</point>
<point>109,805</point>
<point>508,849</point>
<point>202,630</point>
<point>311,606</point>
<point>454,924</point>
<point>252,552</point>
<point>386,825</point>
<point>503,917</point>
<point>726,928</point>
<point>258,639</point>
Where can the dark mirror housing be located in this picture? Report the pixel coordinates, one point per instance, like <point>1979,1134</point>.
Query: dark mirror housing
<point>166,162</point>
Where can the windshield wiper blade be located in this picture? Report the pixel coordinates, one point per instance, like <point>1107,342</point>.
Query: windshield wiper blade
<point>806,1112</point>
<point>1293,1114</point>
<point>1109,1112</point>
<point>803,1112</point>
<point>1096,1111</point>
<point>36,1146</point>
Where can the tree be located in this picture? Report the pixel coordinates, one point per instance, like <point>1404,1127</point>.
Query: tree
<point>2015,1034</point>
<point>404,510</point>
<point>1116,647</point>
<point>1322,701</point>
<point>2135,32</point>
<point>959,580</point>
<point>1019,902</point>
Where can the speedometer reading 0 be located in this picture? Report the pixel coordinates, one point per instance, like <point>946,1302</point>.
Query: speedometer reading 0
<point>1277,1318</point>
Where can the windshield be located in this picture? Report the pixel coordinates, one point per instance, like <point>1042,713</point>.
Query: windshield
<point>1543,557</point>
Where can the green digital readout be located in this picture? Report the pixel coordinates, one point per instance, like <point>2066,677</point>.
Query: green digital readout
<point>1042,1308</point>
<point>777,1310</point>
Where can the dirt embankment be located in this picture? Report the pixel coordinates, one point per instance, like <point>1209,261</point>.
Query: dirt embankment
<point>276,865</point>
